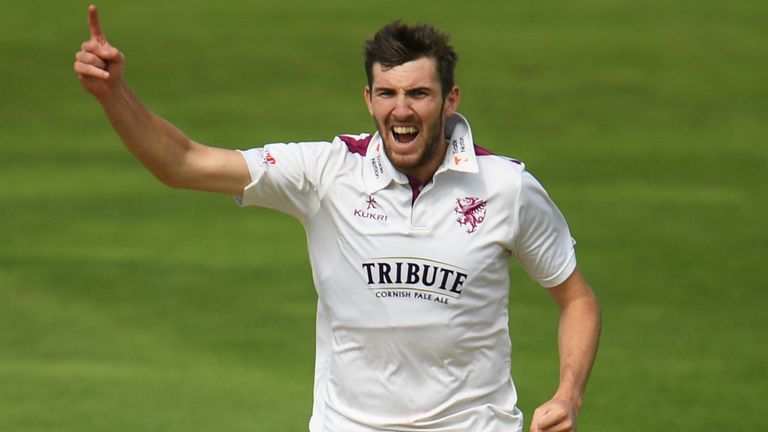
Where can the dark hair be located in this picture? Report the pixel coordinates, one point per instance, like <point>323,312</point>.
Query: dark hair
<point>398,43</point>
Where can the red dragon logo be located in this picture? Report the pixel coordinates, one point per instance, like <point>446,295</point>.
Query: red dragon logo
<point>471,212</point>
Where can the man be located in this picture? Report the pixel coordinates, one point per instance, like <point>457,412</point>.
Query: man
<point>410,232</point>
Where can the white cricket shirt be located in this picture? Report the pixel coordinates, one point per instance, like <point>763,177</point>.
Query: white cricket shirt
<point>412,331</point>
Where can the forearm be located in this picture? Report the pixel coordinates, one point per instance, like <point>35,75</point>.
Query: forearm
<point>158,145</point>
<point>170,155</point>
<point>578,336</point>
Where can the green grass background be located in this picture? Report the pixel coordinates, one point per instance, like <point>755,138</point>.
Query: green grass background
<point>127,306</point>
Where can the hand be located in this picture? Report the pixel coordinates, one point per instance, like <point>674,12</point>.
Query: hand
<point>554,416</point>
<point>99,66</point>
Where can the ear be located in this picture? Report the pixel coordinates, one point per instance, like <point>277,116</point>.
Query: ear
<point>367,97</point>
<point>451,102</point>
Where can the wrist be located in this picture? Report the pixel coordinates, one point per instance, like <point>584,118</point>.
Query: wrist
<point>118,95</point>
<point>570,397</point>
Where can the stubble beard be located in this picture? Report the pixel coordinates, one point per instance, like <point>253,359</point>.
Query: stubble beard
<point>428,152</point>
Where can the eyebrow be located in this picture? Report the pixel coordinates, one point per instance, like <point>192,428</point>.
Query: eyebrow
<point>409,91</point>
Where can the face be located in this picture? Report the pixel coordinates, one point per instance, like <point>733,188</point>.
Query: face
<point>407,105</point>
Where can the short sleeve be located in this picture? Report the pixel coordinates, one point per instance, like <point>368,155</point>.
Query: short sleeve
<point>543,244</point>
<point>286,177</point>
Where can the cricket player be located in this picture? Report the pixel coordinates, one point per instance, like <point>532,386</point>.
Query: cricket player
<point>410,234</point>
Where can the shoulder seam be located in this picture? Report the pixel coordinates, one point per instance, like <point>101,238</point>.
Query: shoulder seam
<point>481,151</point>
<point>356,144</point>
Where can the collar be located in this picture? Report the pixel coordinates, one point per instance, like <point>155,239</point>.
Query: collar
<point>459,156</point>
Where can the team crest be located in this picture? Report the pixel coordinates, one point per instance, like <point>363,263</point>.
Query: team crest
<point>471,211</point>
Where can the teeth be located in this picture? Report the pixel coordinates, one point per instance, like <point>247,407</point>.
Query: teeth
<point>405,130</point>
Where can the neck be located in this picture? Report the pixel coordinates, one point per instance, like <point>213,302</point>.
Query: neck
<point>424,172</point>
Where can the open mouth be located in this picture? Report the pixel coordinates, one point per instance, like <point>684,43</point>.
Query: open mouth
<point>404,134</point>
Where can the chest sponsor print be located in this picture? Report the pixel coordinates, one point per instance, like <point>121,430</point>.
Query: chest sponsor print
<point>417,278</point>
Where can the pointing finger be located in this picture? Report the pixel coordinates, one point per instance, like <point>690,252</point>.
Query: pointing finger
<point>94,25</point>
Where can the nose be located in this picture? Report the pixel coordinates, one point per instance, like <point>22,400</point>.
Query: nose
<point>402,109</point>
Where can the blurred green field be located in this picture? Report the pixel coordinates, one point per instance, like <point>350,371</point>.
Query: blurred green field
<point>127,306</point>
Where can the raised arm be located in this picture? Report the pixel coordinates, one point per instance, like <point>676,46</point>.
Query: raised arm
<point>168,153</point>
<point>578,336</point>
